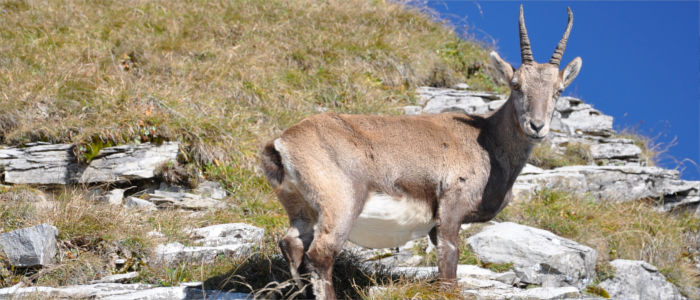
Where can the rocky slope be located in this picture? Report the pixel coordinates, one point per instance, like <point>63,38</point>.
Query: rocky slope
<point>540,264</point>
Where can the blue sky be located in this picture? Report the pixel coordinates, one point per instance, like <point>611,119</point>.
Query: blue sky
<point>641,59</point>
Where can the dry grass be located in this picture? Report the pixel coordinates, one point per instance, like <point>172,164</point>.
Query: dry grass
<point>632,230</point>
<point>547,157</point>
<point>222,76</point>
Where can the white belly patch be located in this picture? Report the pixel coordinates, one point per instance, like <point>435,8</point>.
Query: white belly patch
<point>388,222</point>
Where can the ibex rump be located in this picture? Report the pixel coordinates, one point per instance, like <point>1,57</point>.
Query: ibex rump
<point>381,181</point>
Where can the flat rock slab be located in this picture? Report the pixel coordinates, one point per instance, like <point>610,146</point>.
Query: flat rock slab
<point>538,256</point>
<point>232,240</point>
<point>32,246</point>
<point>41,163</point>
<point>119,291</point>
<point>635,279</point>
<point>482,283</point>
<point>614,183</point>
<point>183,200</point>
<point>128,162</point>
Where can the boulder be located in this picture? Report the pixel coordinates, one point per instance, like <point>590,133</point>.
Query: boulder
<point>574,117</point>
<point>233,240</point>
<point>538,256</point>
<point>32,246</point>
<point>635,279</point>
<point>128,162</point>
<point>119,291</point>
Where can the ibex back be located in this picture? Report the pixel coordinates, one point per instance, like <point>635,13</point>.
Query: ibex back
<point>381,181</point>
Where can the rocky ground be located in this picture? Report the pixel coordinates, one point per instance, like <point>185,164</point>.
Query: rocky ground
<point>534,263</point>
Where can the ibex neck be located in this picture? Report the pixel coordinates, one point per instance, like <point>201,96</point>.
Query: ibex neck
<point>510,144</point>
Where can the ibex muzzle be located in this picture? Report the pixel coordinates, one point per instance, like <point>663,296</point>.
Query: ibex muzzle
<point>380,181</point>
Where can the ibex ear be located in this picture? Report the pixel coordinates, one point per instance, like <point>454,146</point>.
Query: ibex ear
<point>504,69</point>
<point>570,72</point>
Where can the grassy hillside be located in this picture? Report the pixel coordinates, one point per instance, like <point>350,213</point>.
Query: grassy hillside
<point>222,77</point>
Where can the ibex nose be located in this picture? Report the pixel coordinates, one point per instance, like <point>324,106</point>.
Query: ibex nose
<point>536,125</point>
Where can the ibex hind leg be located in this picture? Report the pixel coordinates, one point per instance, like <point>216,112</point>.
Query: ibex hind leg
<point>300,233</point>
<point>336,220</point>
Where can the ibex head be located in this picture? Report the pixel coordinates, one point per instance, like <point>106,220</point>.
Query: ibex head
<point>535,87</point>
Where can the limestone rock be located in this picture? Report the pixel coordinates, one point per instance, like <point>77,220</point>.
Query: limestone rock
<point>39,163</point>
<point>128,162</point>
<point>617,183</point>
<point>538,256</point>
<point>572,116</point>
<point>235,240</point>
<point>114,197</point>
<point>117,278</point>
<point>224,234</point>
<point>32,246</point>
<point>481,283</point>
<point>636,279</point>
<point>133,202</point>
<point>119,291</point>
<point>211,189</point>
<point>183,200</point>
<point>412,110</point>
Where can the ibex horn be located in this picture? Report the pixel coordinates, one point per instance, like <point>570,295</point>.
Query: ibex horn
<point>556,57</point>
<point>525,50</point>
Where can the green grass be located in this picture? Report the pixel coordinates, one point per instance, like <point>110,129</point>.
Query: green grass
<point>633,230</point>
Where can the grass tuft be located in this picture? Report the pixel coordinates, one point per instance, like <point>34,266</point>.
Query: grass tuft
<point>546,156</point>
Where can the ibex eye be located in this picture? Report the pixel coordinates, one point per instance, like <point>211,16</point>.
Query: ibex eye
<point>516,86</point>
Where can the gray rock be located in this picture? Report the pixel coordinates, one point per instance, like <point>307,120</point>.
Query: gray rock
<point>117,278</point>
<point>461,86</point>
<point>183,200</point>
<point>225,234</point>
<point>538,256</point>
<point>572,116</point>
<point>412,110</point>
<point>119,291</point>
<point>114,197</point>
<point>32,246</point>
<point>128,162</point>
<point>636,279</point>
<point>39,163</point>
<point>234,240</point>
<point>133,202</point>
<point>481,283</point>
<point>616,183</point>
<point>211,189</point>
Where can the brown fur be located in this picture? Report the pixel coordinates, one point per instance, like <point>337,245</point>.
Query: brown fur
<point>323,168</point>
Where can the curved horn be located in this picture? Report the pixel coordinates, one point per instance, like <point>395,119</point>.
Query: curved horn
<point>556,57</point>
<point>525,50</point>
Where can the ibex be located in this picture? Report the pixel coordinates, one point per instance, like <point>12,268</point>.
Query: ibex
<point>380,181</point>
